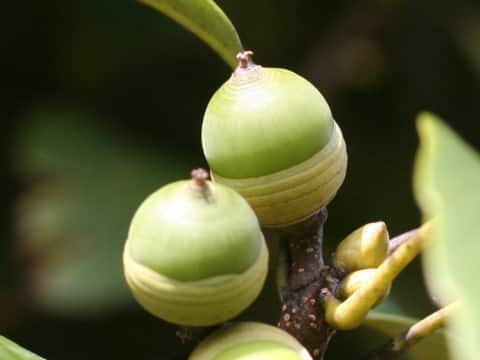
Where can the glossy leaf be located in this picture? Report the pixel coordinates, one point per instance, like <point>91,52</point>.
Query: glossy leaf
<point>378,328</point>
<point>447,187</point>
<point>433,347</point>
<point>205,19</point>
<point>11,351</point>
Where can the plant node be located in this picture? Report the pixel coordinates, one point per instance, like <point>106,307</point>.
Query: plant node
<point>199,179</point>
<point>245,59</point>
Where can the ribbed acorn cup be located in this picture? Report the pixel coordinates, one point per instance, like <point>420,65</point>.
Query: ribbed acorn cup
<point>195,255</point>
<point>269,134</point>
<point>250,341</point>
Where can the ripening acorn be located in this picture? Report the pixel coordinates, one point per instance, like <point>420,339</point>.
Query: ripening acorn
<point>250,341</point>
<point>364,248</point>
<point>195,254</point>
<point>355,280</point>
<point>269,134</point>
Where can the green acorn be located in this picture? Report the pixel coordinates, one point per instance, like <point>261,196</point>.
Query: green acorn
<point>269,134</point>
<point>195,254</point>
<point>250,341</point>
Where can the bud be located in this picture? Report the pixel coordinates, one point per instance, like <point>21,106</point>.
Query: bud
<point>364,248</point>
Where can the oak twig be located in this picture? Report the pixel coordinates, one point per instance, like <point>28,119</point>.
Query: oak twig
<point>307,279</point>
<point>397,346</point>
<point>351,312</point>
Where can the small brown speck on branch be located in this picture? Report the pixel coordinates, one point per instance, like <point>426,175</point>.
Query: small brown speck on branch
<point>308,280</point>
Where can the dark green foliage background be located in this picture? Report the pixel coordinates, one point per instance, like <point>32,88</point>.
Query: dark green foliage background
<point>138,84</point>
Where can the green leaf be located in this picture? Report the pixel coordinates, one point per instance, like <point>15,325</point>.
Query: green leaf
<point>205,19</point>
<point>378,328</point>
<point>433,347</point>
<point>85,183</point>
<point>11,351</point>
<point>447,187</point>
<point>390,306</point>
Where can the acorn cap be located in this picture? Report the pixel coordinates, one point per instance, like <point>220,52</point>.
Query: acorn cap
<point>197,303</point>
<point>250,341</point>
<point>292,195</point>
<point>195,254</point>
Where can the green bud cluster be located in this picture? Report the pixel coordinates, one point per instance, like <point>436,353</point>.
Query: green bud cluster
<point>358,256</point>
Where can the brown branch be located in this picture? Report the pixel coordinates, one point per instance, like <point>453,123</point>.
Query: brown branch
<point>308,279</point>
<point>397,346</point>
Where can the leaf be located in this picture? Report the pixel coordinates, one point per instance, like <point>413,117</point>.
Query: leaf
<point>84,186</point>
<point>390,306</point>
<point>377,329</point>
<point>205,19</point>
<point>11,351</point>
<point>467,35</point>
<point>447,187</point>
<point>433,347</point>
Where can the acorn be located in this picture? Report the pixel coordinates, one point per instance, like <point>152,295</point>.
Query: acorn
<point>364,248</point>
<point>356,279</point>
<point>250,341</point>
<point>195,254</point>
<point>269,134</point>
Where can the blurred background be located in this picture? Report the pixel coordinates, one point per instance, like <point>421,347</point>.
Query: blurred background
<point>103,103</point>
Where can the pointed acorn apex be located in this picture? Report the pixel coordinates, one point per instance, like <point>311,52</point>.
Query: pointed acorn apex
<point>245,60</point>
<point>195,254</point>
<point>364,248</point>
<point>250,341</point>
<point>269,134</point>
